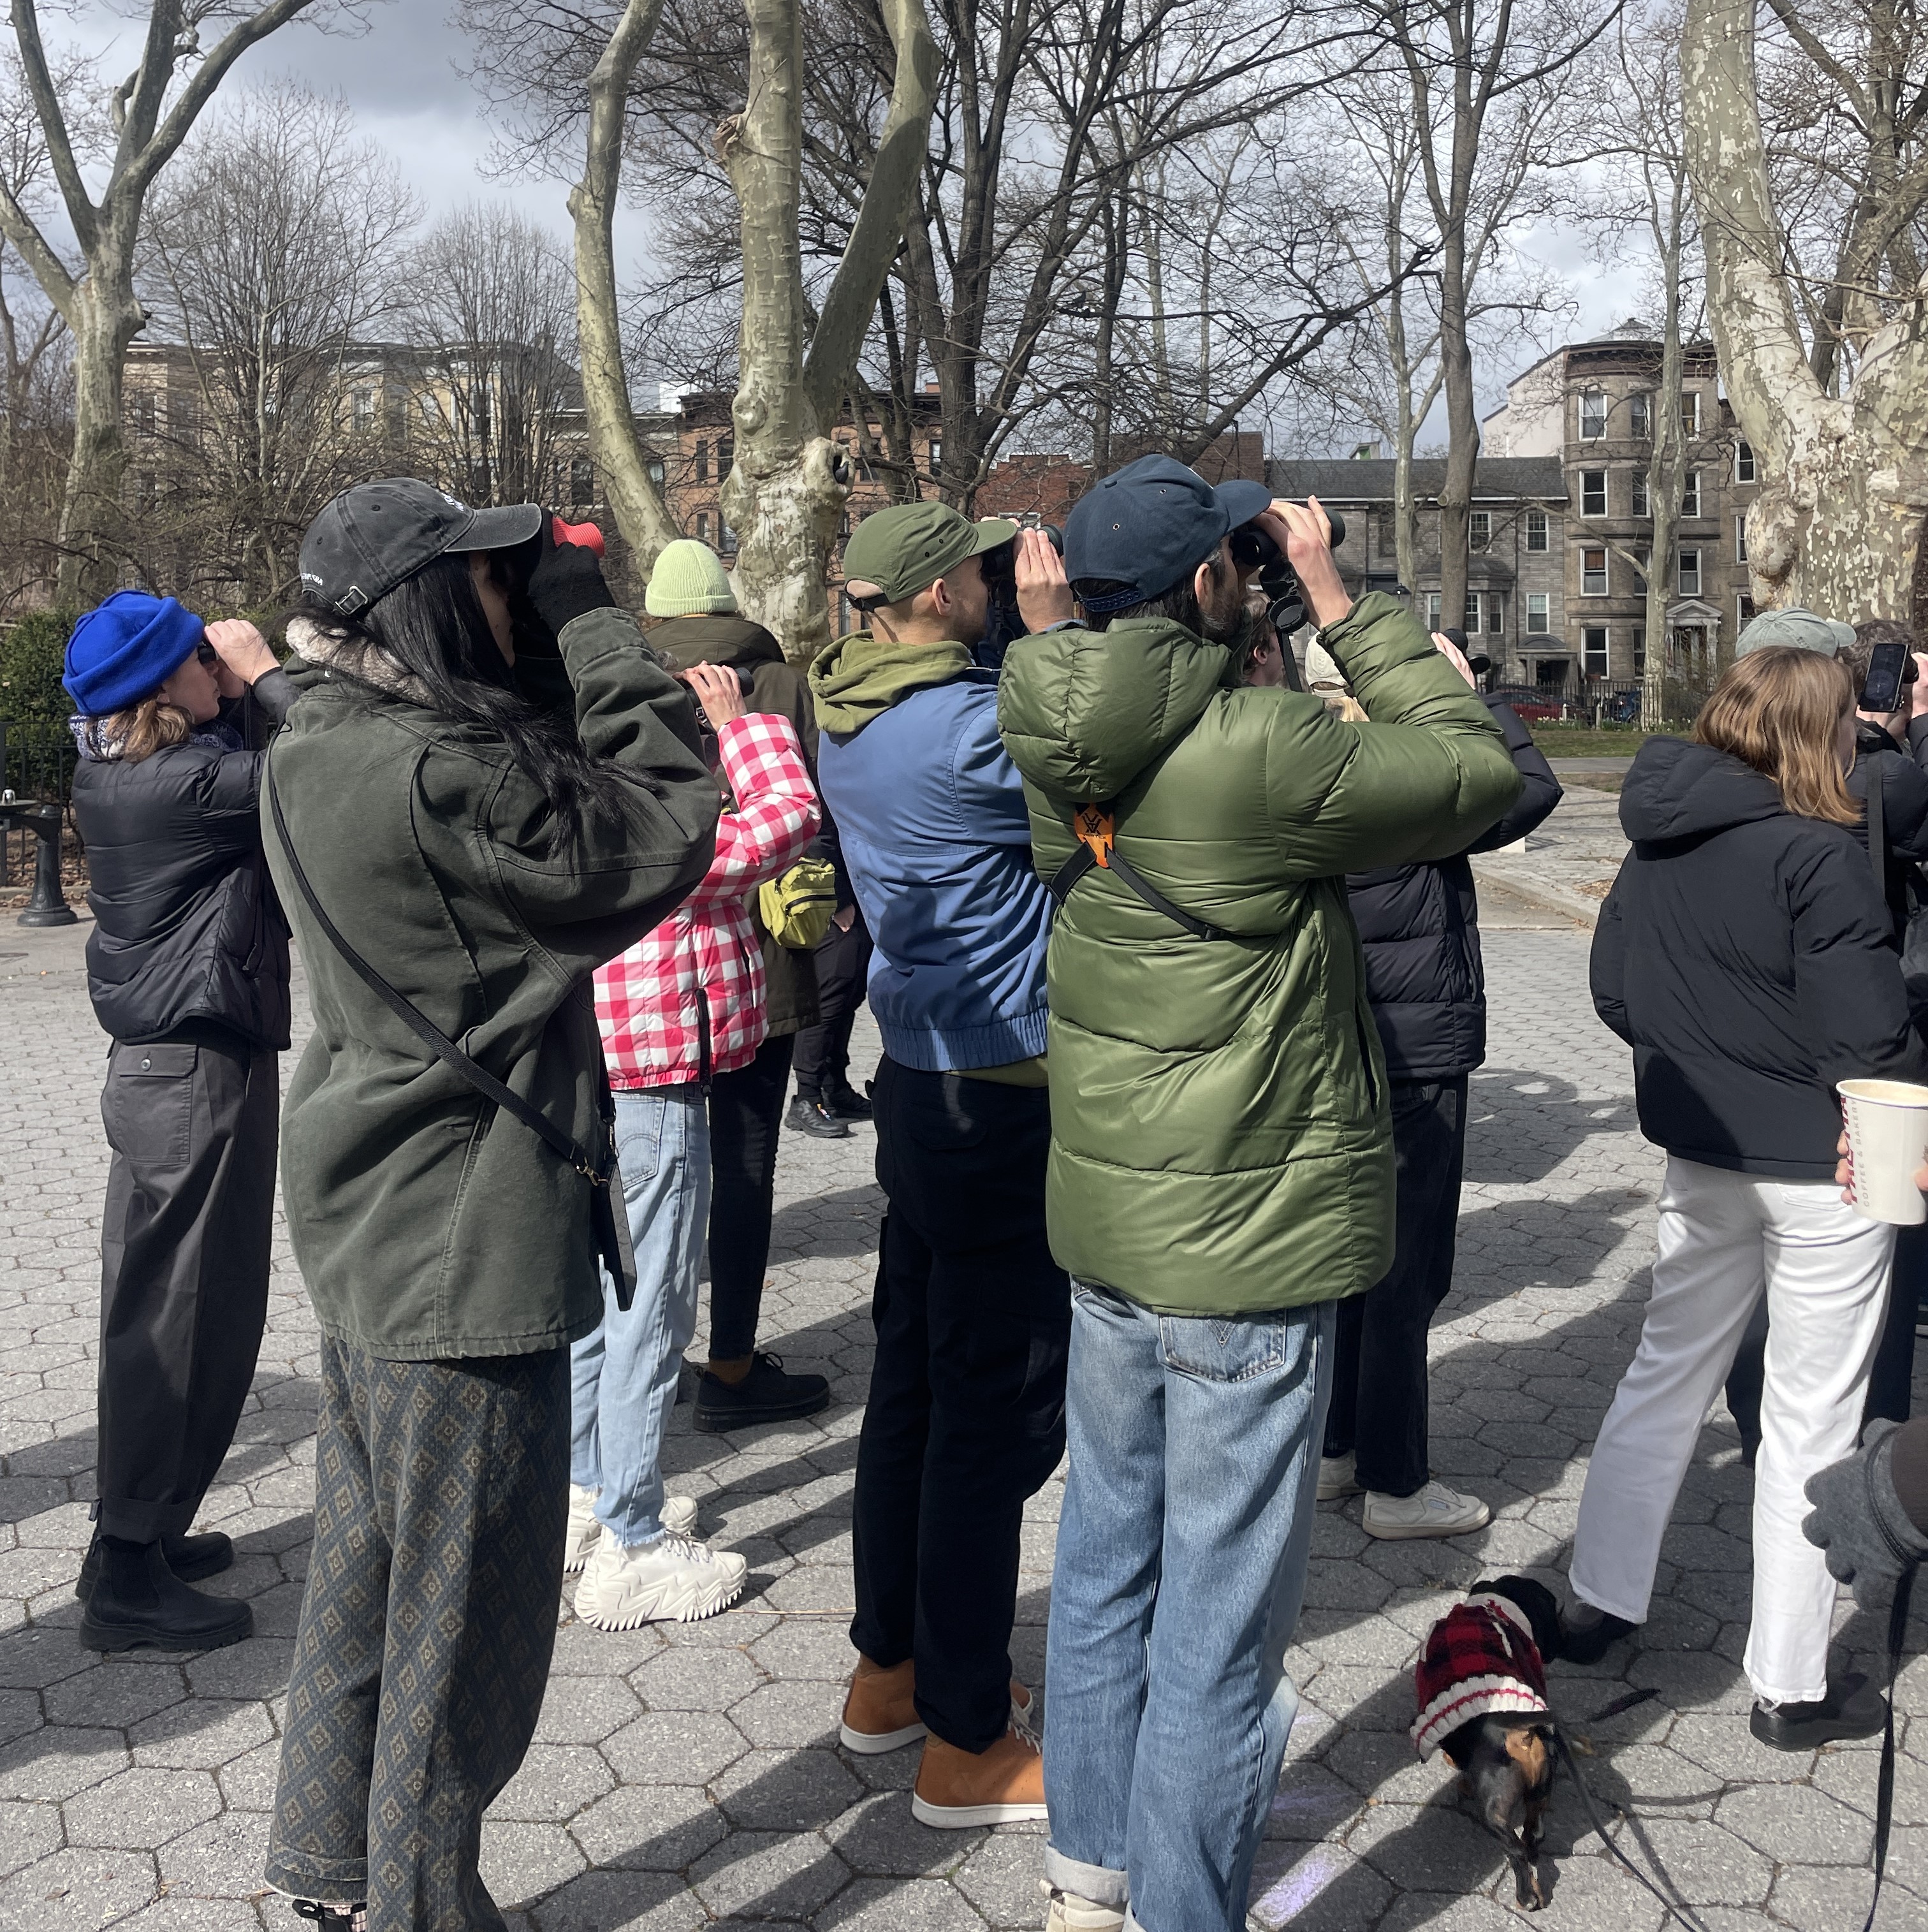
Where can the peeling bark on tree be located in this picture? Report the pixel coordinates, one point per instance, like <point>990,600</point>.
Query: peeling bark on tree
<point>1838,523</point>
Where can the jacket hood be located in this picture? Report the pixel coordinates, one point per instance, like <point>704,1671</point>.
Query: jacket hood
<point>1083,712</point>
<point>857,679</point>
<point>353,656</point>
<point>1679,790</point>
<point>683,641</point>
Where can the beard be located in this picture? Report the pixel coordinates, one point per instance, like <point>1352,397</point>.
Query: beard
<point>1233,628</point>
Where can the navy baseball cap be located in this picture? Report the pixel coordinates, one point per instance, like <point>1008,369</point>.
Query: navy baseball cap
<point>1150,525</point>
<point>371,537</point>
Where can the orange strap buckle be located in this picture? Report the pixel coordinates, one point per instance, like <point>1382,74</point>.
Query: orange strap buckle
<point>1093,824</point>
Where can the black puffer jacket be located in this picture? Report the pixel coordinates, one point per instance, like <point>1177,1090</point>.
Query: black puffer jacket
<point>1419,925</point>
<point>1746,956</point>
<point>188,931</point>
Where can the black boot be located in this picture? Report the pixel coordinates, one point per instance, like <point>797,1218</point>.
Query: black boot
<point>190,1558</point>
<point>1586,1634</point>
<point>808,1115</point>
<point>1852,1708</point>
<point>137,1599</point>
<point>768,1393</point>
<point>844,1101</point>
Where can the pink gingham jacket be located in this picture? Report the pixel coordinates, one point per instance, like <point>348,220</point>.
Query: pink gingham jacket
<point>688,1001</point>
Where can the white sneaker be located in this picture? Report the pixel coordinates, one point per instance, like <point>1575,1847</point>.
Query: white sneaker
<point>1068,1912</point>
<point>585,1532</point>
<point>1435,1510</point>
<point>674,1579</point>
<point>1338,1477</point>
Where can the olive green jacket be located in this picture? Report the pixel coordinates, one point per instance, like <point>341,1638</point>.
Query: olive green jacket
<point>427,1225</point>
<point>1221,1142</point>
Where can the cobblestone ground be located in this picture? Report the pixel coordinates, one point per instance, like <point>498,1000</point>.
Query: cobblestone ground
<point>689,1776</point>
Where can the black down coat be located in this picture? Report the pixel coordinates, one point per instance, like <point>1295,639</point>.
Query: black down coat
<point>1747,957</point>
<point>186,928</point>
<point>1420,926</point>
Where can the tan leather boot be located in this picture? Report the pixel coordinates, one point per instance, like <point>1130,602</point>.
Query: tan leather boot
<point>958,1788</point>
<point>881,1711</point>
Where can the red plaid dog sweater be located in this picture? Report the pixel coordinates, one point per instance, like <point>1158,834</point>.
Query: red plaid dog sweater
<point>1479,1656</point>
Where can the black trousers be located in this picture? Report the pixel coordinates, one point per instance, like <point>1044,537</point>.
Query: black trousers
<point>966,1413</point>
<point>427,1629</point>
<point>1379,1396</point>
<point>183,1269</point>
<point>843,971</point>
<point>745,1119</point>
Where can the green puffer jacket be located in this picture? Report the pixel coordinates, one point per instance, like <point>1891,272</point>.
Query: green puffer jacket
<point>427,1225</point>
<point>1221,1142</point>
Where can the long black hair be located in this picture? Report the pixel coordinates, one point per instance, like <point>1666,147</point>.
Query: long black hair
<point>432,626</point>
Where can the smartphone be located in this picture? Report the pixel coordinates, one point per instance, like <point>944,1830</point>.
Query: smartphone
<point>1886,668</point>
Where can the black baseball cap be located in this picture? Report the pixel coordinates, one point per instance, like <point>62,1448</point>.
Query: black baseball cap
<point>1149,526</point>
<point>373,536</point>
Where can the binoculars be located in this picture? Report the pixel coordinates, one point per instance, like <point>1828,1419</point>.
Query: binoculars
<point>1254,549</point>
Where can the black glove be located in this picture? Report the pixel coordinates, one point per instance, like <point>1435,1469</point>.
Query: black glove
<point>567,581</point>
<point>1859,1522</point>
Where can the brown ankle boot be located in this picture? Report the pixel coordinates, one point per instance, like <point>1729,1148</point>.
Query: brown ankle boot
<point>999,1786</point>
<point>881,1712</point>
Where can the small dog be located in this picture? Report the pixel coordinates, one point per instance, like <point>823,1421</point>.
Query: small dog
<point>1481,1681</point>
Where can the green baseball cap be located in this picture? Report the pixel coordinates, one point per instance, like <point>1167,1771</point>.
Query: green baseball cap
<point>906,548</point>
<point>1793,625</point>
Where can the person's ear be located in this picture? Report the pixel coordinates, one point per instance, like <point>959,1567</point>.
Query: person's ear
<point>1204,583</point>
<point>941,599</point>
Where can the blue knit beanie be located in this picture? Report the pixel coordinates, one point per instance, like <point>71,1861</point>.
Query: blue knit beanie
<point>126,648</point>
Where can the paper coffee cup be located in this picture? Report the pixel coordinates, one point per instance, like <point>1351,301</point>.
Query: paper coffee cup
<point>1888,1129</point>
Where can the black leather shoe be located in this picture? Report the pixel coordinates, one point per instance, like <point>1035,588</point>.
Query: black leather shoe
<point>845,1101</point>
<point>330,1915</point>
<point>808,1115</point>
<point>1588,1642</point>
<point>190,1558</point>
<point>1852,1708</point>
<point>768,1393</point>
<point>137,1599</point>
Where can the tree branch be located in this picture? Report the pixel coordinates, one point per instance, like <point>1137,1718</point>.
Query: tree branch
<point>80,209</point>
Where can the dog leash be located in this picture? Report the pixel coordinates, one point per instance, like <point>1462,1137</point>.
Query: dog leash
<point>1673,1910</point>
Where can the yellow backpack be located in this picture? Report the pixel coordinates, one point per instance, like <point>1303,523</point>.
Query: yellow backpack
<point>796,909</point>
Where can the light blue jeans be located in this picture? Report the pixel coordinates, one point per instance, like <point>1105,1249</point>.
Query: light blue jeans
<point>625,1371</point>
<point>1169,1705</point>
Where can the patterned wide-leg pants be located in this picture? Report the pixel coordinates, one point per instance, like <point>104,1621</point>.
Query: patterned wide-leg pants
<point>426,1631</point>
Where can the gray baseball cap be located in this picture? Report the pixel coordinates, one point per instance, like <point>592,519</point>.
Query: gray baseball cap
<point>1800,629</point>
<point>372,536</point>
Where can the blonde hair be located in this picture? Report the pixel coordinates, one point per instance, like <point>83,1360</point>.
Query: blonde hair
<point>1780,710</point>
<point>147,727</point>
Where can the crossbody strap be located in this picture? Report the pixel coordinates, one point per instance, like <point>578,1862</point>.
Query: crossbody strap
<point>1097,850</point>
<point>417,1022</point>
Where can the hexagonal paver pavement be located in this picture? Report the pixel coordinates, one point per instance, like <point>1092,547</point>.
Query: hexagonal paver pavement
<point>689,1775</point>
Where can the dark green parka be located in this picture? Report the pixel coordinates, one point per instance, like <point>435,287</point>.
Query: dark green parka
<point>1221,1143</point>
<point>427,1225</point>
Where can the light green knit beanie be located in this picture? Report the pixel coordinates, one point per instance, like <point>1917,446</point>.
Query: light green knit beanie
<point>688,581</point>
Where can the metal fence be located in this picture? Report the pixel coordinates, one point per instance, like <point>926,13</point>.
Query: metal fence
<point>37,761</point>
<point>1610,701</point>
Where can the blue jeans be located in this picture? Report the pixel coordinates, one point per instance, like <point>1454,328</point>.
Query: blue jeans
<point>624,1373</point>
<point>1169,1703</point>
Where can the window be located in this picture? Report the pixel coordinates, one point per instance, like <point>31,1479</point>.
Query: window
<point>1593,416</point>
<point>1470,622</point>
<point>146,412</point>
<point>1642,506</point>
<point>703,462</point>
<point>364,412</point>
<point>1643,562</point>
<point>1594,572</point>
<point>1744,611</point>
<point>396,410</point>
<point>936,456</point>
<point>1744,471</point>
<point>1496,612</point>
<point>1479,530</point>
<point>431,410</point>
<point>582,483</point>
<point>1640,414</point>
<point>726,456</point>
<point>1594,650</point>
<point>1689,573</point>
<point>1741,538</point>
<point>657,473</point>
<point>1536,529</point>
<point>1539,614</point>
<point>1432,610</point>
<point>1640,653</point>
<point>1593,493</point>
<point>702,523</point>
<point>1385,539</point>
<point>726,538</point>
<point>1691,411</point>
<point>1690,494</point>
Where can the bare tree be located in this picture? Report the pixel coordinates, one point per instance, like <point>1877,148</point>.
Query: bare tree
<point>98,305</point>
<point>1838,421</point>
<point>491,327</point>
<point>271,255</point>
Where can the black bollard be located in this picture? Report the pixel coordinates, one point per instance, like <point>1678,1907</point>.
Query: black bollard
<point>48,906</point>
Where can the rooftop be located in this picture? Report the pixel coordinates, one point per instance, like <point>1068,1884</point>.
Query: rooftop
<point>1344,480</point>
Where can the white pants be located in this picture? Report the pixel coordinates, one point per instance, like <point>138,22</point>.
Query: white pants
<point>1722,1236</point>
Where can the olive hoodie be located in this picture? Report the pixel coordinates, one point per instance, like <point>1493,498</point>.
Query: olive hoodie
<point>1221,1142</point>
<point>426,1224</point>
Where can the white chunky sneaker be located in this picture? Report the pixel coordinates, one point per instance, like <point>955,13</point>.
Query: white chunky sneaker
<point>585,1532</point>
<point>674,1579</point>
<point>1435,1510</point>
<point>1068,1913</point>
<point>1338,1477</point>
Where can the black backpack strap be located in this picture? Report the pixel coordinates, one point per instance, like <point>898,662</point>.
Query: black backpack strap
<point>417,1022</point>
<point>1097,851</point>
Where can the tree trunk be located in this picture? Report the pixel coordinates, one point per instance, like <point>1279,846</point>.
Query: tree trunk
<point>93,520</point>
<point>1838,522</point>
<point>1462,431</point>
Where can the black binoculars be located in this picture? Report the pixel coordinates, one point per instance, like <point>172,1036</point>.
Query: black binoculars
<point>1253,549</point>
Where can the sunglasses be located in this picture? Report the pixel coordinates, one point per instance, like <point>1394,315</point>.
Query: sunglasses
<point>205,653</point>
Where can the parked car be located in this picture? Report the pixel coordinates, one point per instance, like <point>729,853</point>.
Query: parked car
<point>1535,706</point>
<point>1621,707</point>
